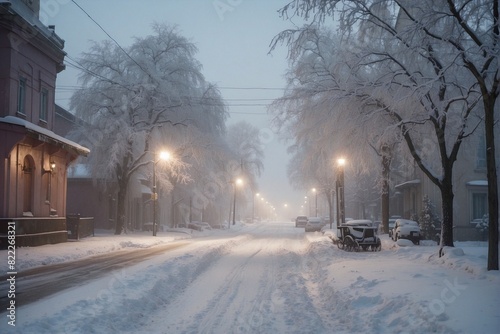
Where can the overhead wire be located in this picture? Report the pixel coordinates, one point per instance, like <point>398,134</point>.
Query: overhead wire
<point>75,64</point>
<point>114,40</point>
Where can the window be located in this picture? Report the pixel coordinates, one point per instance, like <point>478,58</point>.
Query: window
<point>44,104</point>
<point>479,205</point>
<point>21,96</point>
<point>481,153</point>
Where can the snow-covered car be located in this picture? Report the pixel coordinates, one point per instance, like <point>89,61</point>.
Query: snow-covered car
<point>359,222</point>
<point>406,229</point>
<point>300,221</point>
<point>392,222</point>
<point>314,224</point>
<point>199,226</point>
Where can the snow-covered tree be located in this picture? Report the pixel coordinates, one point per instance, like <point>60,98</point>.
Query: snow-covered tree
<point>426,65</point>
<point>247,150</point>
<point>245,153</point>
<point>428,220</point>
<point>130,96</point>
<point>321,120</point>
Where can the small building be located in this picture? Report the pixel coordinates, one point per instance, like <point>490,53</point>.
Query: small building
<point>33,172</point>
<point>470,188</point>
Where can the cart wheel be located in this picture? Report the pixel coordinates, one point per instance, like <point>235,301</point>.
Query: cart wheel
<point>349,243</point>
<point>356,247</point>
<point>352,245</point>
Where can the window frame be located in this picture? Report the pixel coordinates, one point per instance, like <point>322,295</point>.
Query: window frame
<point>21,96</point>
<point>44,105</point>
<point>474,205</point>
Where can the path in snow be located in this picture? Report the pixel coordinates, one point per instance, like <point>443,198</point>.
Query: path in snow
<point>39,282</point>
<point>274,278</point>
<point>242,290</point>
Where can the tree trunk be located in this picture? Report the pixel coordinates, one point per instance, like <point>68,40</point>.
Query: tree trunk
<point>120,219</point>
<point>172,210</point>
<point>489,124</point>
<point>447,208</point>
<point>386,161</point>
<point>329,198</point>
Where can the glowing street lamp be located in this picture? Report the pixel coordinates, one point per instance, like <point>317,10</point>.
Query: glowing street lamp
<point>162,156</point>
<point>340,192</point>
<point>237,182</point>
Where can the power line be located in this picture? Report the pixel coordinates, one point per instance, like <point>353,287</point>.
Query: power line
<point>114,40</point>
<point>82,68</point>
<point>74,88</point>
<point>69,89</point>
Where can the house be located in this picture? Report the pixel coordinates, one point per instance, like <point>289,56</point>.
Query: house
<point>33,172</point>
<point>470,185</point>
<point>98,203</point>
<point>470,188</point>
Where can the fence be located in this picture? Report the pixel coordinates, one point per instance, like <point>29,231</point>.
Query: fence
<point>79,227</point>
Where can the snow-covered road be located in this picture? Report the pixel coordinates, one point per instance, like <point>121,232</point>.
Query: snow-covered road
<point>274,278</point>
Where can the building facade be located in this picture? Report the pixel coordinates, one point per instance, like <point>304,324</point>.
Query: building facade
<point>34,158</point>
<point>470,187</point>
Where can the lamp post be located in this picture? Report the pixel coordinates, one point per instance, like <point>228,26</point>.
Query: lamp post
<point>315,202</point>
<point>162,156</point>
<point>253,206</point>
<point>308,203</point>
<point>237,182</point>
<point>341,191</point>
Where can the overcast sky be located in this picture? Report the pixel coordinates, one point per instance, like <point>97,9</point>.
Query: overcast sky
<point>233,38</point>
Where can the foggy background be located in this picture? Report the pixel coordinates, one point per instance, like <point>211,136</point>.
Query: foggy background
<point>232,37</point>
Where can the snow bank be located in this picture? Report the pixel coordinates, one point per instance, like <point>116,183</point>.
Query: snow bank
<point>103,242</point>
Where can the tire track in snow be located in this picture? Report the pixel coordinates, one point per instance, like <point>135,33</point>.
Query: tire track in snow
<point>301,313</point>
<point>163,282</point>
<point>245,297</point>
<point>212,316</point>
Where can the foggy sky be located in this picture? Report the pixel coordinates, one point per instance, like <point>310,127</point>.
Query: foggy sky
<point>232,37</point>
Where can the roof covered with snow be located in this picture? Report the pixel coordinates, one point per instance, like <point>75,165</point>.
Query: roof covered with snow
<point>408,183</point>
<point>45,135</point>
<point>482,183</point>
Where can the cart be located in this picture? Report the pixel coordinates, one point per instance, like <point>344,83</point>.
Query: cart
<point>356,238</point>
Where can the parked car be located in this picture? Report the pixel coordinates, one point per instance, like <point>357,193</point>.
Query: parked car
<point>199,226</point>
<point>314,224</point>
<point>300,221</point>
<point>406,229</point>
<point>392,222</point>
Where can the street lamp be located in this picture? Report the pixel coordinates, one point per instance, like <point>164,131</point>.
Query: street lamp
<point>316,201</point>
<point>235,183</point>
<point>164,155</point>
<point>340,192</point>
<point>253,206</point>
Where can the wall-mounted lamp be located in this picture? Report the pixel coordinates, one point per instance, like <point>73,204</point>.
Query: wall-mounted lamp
<point>52,168</point>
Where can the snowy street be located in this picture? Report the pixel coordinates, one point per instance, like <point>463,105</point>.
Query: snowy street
<point>271,278</point>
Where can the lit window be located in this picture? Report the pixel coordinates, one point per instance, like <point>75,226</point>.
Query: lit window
<point>44,104</point>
